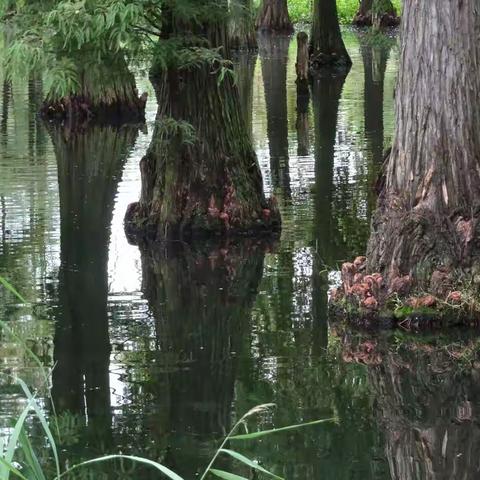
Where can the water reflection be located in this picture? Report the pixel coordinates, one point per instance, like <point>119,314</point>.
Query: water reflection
<point>201,298</point>
<point>90,165</point>
<point>428,399</point>
<point>162,356</point>
<point>273,51</point>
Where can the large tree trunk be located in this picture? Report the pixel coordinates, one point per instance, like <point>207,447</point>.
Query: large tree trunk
<point>106,94</point>
<point>274,59</point>
<point>242,25</point>
<point>327,49</point>
<point>376,13</point>
<point>200,175</point>
<point>273,17</point>
<point>427,216</point>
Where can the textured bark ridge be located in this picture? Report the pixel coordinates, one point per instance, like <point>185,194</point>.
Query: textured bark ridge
<point>273,17</point>
<point>427,399</point>
<point>427,217</point>
<point>327,49</point>
<point>376,13</point>
<point>200,176</point>
<point>107,95</point>
<point>302,64</point>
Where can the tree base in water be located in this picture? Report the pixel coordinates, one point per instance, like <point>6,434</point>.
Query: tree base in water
<point>328,62</point>
<point>211,224</point>
<point>386,20</point>
<point>78,109</point>
<point>369,301</point>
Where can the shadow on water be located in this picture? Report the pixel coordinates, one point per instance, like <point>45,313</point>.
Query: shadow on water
<point>90,166</point>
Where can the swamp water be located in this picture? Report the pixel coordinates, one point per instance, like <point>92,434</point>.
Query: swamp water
<point>157,353</point>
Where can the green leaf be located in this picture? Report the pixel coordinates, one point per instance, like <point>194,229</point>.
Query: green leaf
<point>166,471</point>
<point>253,435</point>
<point>11,288</point>
<point>250,463</point>
<point>226,475</point>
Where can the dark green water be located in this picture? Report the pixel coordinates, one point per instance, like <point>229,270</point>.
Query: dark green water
<point>158,353</point>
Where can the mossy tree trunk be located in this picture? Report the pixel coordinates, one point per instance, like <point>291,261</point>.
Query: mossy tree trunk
<point>428,211</point>
<point>106,94</point>
<point>200,176</point>
<point>327,49</point>
<point>376,13</point>
<point>273,17</point>
<point>242,25</point>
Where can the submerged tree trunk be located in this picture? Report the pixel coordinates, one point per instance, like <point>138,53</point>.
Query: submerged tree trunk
<point>376,13</point>
<point>426,223</point>
<point>327,49</point>
<point>273,17</point>
<point>107,94</point>
<point>200,176</point>
<point>242,25</point>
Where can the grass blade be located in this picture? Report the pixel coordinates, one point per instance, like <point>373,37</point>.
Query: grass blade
<point>226,475</point>
<point>43,421</point>
<point>250,463</point>
<point>263,433</point>
<point>11,289</point>
<point>12,469</point>
<point>166,471</point>
<point>30,456</point>
<point>13,441</point>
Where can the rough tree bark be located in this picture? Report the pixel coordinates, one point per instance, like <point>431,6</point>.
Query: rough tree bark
<point>242,26</point>
<point>426,224</point>
<point>107,94</point>
<point>327,49</point>
<point>273,17</point>
<point>203,180</point>
<point>376,13</point>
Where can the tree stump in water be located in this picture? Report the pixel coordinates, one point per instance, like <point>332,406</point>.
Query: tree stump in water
<point>302,64</point>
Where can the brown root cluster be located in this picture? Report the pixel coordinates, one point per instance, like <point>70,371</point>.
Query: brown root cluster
<point>371,296</point>
<point>80,109</point>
